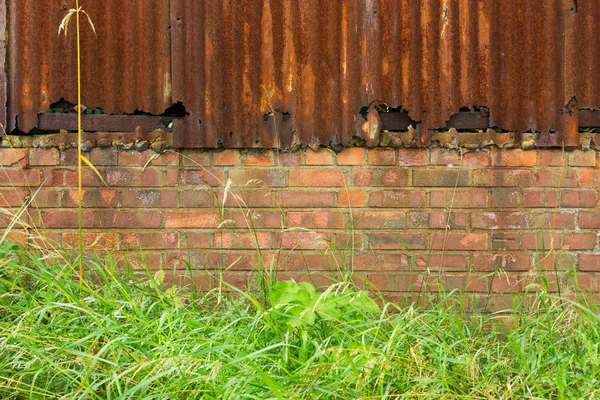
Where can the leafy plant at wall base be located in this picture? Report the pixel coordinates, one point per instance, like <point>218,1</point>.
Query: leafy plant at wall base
<point>80,157</point>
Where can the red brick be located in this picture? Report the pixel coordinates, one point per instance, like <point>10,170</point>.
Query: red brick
<point>351,198</point>
<point>457,220</point>
<point>322,157</point>
<point>196,240</point>
<point>471,198</point>
<point>262,159</point>
<point>397,198</point>
<point>513,158</point>
<point>192,219</point>
<point>257,177</point>
<point>580,241</point>
<point>499,220</point>
<point>149,198</point>
<point>382,156</point>
<point>287,159</point>
<point>133,158</point>
<point>303,240</point>
<point>20,177</point>
<point>581,158</point>
<point>476,158</point>
<point>588,178</point>
<point>108,156</point>
<point>133,177</point>
<point>589,262</point>
<point>551,158</point>
<point>68,157</point>
<point>68,177</point>
<point>397,241</point>
<point>92,240</point>
<point>43,157</point>
<point>245,198</point>
<point>579,199</point>
<point>149,240</point>
<point>502,177</point>
<point>442,262</point>
<point>46,198</point>
<point>506,198</point>
<point>381,177</point>
<point>351,156</point>
<point>304,199</point>
<point>541,241</point>
<point>250,261</point>
<point>555,178</point>
<point>12,197</point>
<point>508,283</point>
<point>418,220</point>
<point>459,241</point>
<point>195,158</point>
<point>131,219</point>
<point>243,240</point>
<point>379,220</point>
<point>439,156</point>
<point>312,262</point>
<point>440,177</point>
<point>505,241</point>
<point>91,198</point>
<point>315,219</point>
<point>249,219</point>
<point>200,177</point>
<point>462,283</point>
<point>196,199</point>
<point>9,157</point>
<point>317,177</point>
<point>539,198</point>
<point>412,157</point>
<point>551,220</point>
<point>589,219</point>
<point>354,241</point>
<point>227,157</point>
<point>168,158</point>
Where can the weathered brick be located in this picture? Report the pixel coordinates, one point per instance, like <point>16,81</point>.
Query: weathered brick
<point>108,156</point>
<point>580,241</point>
<point>260,159</point>
<point>243,240</point>
<point>577,199</point>
<point>380,262</point>
<point>442,262</point>
<point>249,219</point>
<point>502,177</point>
<point>196,240</point>
<point>440,156</point>
<point>92,240</point>
<point>589,262</point>
<point>227,157</point>
<point>317,177</point>
<point>303,240</point>
<point>201,177</point>
<point>555,178</point>
<point>581,158</point>
<point>459,241</point>
<point>418,220</point>
<point>541,241</point>
<point>588,178</point>
<point>397,198</point>
<point>133,158</point>
<point>589,219</point>
<point>149,240</point>
<point>167,158</point>
<point>476,158</point>
<point>551,158</point>
<point>43,157</point>
<point>196,199</point>
<point>440,177</point>
<point>249,261</point>
<point>307,199</point>
<point>312,262</point>
<point>453,220</point>
<point>540,198</point>
<point>246,198</point>
<point>288,159</point>
<point>412,157</point>
<point>11,157</point>
<point>471,198</point>
<point>315,219</point>
<point>195,158</point>
<point>149,198</point>
<point>397,241</point>
<point>351,198</point>
<point>506,198</point>
<point>12,197</point>
<point>379,220</point>
<point>322,157</point>
<point>18,177</point>
<point>354,241</point>
<point>513,158</point>
<point>551,220</point>
<point>351,156</point>
<point>257,177</point>
<point>382,156</point>
<point>133,177</point>
<point>381,177</point>
<point>192,219</point>
<point>499,220</point>
<point>91,198</point>
<point>505,241</point>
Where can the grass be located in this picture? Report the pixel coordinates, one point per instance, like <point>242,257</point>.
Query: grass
<point>130,335</point>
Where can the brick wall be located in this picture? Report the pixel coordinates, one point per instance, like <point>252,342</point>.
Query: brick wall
<point>397,216</point>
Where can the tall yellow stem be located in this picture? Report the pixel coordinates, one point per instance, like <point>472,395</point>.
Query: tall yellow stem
<point>79,191</point>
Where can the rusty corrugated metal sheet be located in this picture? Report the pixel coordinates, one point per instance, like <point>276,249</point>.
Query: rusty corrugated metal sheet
<point>319,62</point>
<point>126,67</point>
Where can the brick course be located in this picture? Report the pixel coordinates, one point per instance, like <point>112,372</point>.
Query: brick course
<point>403,212</point>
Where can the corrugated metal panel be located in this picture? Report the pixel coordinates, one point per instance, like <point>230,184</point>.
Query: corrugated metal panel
<point>125,67</point>
<point>319,62</point>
